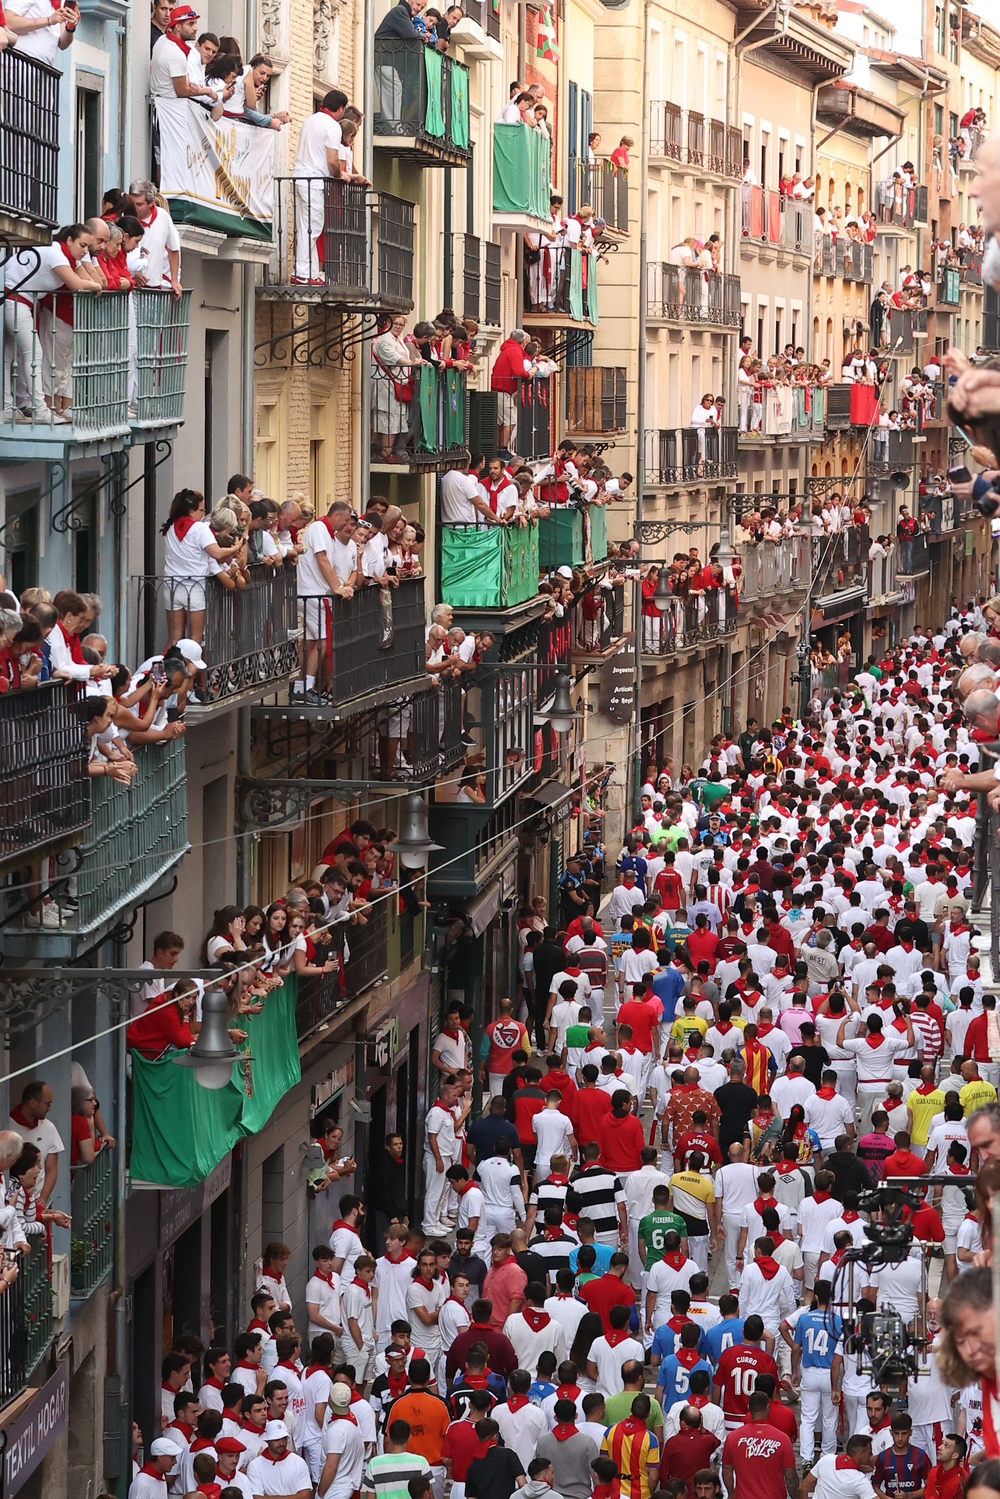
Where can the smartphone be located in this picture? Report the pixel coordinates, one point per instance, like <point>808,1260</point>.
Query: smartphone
<point>959,474</point>
<point>159,673</point>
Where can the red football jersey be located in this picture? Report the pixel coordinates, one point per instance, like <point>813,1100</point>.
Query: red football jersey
<point>737,1372</point>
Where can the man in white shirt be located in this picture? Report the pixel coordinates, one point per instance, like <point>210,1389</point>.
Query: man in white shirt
<point>833,1478</point>
<point>30,1118</point>
<point>815,1215</point>
<point>316,579</point>
<point>439,1154</point>
<point>766,1288</point>
<point>794,1088</point>
<point>735,1189</point>
<point>160,240</point>
<point>829,1113</point>
<point>461,501</point>
<point>317,158</point>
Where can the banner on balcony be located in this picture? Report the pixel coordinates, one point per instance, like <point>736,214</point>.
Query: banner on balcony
<point>454,410</point>
<point>217,174</point>
<point>459,106</point>
<point>427,439</point>
<point>434,114</point>
<point>181,1131</point>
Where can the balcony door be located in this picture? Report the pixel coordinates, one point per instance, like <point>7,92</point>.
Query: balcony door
<point>89,148</point>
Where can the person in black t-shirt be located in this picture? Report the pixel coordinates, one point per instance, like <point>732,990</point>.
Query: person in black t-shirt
<point>494,1474</point>
<point>737,1101</point>
<point>815,1057</point>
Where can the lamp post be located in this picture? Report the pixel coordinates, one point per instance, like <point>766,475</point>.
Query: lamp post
<point>213,1053</point>
<point>414,844</point>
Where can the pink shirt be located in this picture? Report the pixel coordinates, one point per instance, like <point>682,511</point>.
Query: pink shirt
<point>501,1285</point>
<point>792,1020</point>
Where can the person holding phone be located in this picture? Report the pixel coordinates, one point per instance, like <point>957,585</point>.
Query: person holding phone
<point>42,31</point>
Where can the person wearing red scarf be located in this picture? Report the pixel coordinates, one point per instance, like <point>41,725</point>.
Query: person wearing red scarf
<point>758,1061</point>
<point>278,1470</point>
<point>150,1482</point>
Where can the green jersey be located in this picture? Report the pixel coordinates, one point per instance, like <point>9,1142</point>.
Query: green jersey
<point>619,1408</point>
<point>653,1230</point>
<point>577,1036</point>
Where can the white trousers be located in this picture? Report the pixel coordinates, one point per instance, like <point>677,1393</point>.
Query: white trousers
<point>854,1410</point>
<point>847,1079</point>
<point>816,1404</point>
<point>810,1264</point>
<point>436,1187</point>
<point>21,339</point>
<point>732,1223</point>
<point>698,1250</point>
<point>869,1099</point>
<point>309,204</point>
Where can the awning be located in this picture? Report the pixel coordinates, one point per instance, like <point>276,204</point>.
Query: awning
<point>556,799</point>
<point>483,908</point>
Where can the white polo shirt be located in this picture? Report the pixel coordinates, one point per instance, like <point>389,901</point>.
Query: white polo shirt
<point>457,490</point>
<point>43,43</point>
<point>346,1245</point>
<point>326,1295</point>
<point>290,1475</point>
<point>833,1482</point>
<point>318,134</point>
<point>43,1134</point>
<point>317,540</point>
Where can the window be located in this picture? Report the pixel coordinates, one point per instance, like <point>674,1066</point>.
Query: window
<point>88,145</point>
<point>266,447</point>
<point>319,489</point>
<point>21,540</point>
<point>939,115</point>
<point>85,536</point>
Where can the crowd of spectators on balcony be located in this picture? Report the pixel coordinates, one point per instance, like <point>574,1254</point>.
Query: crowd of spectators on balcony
<point>446,343</point>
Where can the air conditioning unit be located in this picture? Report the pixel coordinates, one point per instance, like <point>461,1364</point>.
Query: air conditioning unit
<point>60,1285</point>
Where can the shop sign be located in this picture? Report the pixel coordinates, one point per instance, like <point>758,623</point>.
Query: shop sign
<point>35,1431</point>
<point>331,1086</point>
<point>617,695</point>
<point>383,1046</point>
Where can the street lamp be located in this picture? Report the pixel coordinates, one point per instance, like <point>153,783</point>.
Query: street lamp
<point>560,716</point>
<point>413,844</point>
<point>213,1053</point>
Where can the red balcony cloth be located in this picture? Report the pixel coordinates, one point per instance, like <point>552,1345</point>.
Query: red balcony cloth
<point>864,405</point>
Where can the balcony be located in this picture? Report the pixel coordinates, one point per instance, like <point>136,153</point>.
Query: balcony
<point>971,269</point>
<point>136,834</point>
<point>91,364</point>
<point>687,136</point>
<point>250,639</point>
<point>773,567</point>
<point>26,1325</point>
<point>478,31</point>
<point>93,1233</point>
<point>45,786</point>
<point>949,287</point>
<point>573,536</point>
<point>795,413</point>
<point>596,400</point>
<point>489,567</point>
<point>687,295</point>
<point>436,418</point>
<point>889,451</point>
<point>521,181</point>
<point>328,237</point>
<point>901,328</point>
<point>882,578</point>
<point>943,513</point>
<point>898,207</point>
<point>561,288</point>
<point>689,622</point>
<point>840,566</point>
<point>371,644</point>
<point>367,953</point>
<point>599,619</point>
<point>29,147</point>
<point>913,558</point>
<point>681,455</point>
<point>768,218</point>
<point>162,348</point>
<point>217,176</point>
<point>501,700</point>
<point>603,186</point>
<point>421,103</point>
<point>850,406</point>
<point>181,1131</point>
<point>854,261</point>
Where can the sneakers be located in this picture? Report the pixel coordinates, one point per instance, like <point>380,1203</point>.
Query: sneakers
<point>48,918</point>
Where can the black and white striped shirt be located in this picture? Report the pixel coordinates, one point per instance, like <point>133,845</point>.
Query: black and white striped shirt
<point>600,1192</point>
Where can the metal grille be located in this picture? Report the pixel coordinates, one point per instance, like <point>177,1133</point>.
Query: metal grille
<point>679,454</point>
<point>371,641</point>
<point>491,309</point>
<point>93,1239</point>
<point>323,236</point>
<point>665,129</point>
<point>401,107</point>
<point>162,345</point>
<point>29,137</point>
<point>395,249</point>
<point>369,951</point>
<point>45,789</point>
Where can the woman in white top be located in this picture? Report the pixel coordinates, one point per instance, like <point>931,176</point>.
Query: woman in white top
<point>222,76</point>
<point>190,549</point>
<point>276,945</point>
<point>226,934</point>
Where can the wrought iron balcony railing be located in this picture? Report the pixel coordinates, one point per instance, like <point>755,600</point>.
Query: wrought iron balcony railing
<point>367,643</point>
<point>29,138</point>
<point>677,454</point>
<point>45,788</point>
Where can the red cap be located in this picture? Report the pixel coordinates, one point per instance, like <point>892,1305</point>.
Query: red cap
<point>228,1444</point>
<point>183,13</point>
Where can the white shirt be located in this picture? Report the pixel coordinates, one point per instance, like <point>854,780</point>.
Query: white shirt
<point>43,1134</point>
<point>735,1188</point>
<point>898,1286</point>
<point>814,1219</point>
<point>769,1299</point>
<point>829,1117</point>
<point>609,1362</point>
<point>159,234</point>
<point>552,1130</point>
<point>790,1090</point>
<point>392,1281</point>
<point>317,135</point>
<point>343,1436</point>
<point>188,558</point>
<point>168,61</point>
<point>316,539</point>
<point>840,1483</point>
<point>457,490</point>
<point>346,1245</point>
<point>44,43</point>
<point>663,1280</point>
<point>875,1062</point>
<point>289,1476</point>
<point>712,1419</point>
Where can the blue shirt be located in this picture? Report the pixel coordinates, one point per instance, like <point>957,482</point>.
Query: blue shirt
<point>816,1334</point>
<point>675,1380</point>
<point>901,1472</point>
<point>540,1390</point>
<point>668,986</point>
<point>633,862</point>
<point>720,1337</point>
<point>603,1262</point>
<point>665,1342</point>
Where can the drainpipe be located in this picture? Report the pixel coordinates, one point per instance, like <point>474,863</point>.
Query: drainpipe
<point>249,338</point>
<point>640,414</point>
<point>368,99</point>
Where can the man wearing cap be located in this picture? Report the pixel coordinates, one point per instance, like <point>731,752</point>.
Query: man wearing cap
<point>168,67</point>
<point>278,1470</point>
<point>344,1448</point>
<point>229,1455</point>
<point>151,1480</point>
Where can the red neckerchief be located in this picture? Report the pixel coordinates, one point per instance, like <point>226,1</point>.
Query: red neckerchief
<point>516,1403</point>
<point>617,1335</point>
<point>397,1386</point>
<point>563,1430</point>
<point>776,1237</point>
<point>182,525</point>
<point>350,1226</point>
<point>552,1231</point>
<point>186,1431</point>
<point>184,46</point>
<point>210,1490</point>
<point>248,1425</point>
<point>570,1220</point>
<point>847,1462</point>
<point>428,1285</point>
<point>153,1471</point>
<point>850,1216</point>
<point>760,1203</point>
<point>201,1443</point>
<point>476,1381</point>
<point>826,1091</point>
<point>280,1458</point>
<point>357,1281</point>
<point>632,1426</point>
<point>327,1278</point>
<point>535,1318</point>
<point>958,1171</point>
<point>567,1392</point>
<point>245,1364</point>
<point>687,1356</point>
<point>874,1039</point>
<point>343,1416</point>
<point>211,1381</point>
<point>767,1266</point>
<point>925,1088</point>
<point>676,1259</point>
<point>453,1034</point>
<point>75,649</point>
<point>258,1326</point>
<point>820,1197</point>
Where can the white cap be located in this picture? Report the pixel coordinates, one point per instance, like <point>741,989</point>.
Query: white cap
<point>163,1447</point>
<point>340,1396</point>
<point>564,571</point>
<point>191,651</point>
<point>275,1430</point>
